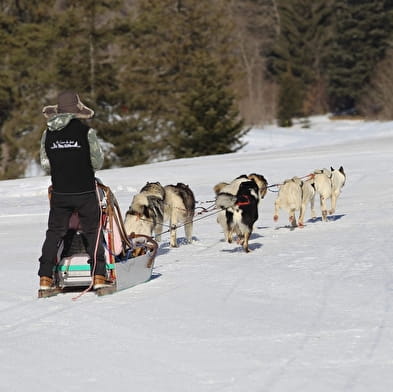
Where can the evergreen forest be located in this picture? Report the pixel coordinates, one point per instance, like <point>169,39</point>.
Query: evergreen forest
<point>183,78</point>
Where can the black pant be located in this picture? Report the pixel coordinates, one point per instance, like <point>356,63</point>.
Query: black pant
<point>61,208</point>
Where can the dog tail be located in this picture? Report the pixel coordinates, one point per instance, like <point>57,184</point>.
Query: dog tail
<point>225,200</point>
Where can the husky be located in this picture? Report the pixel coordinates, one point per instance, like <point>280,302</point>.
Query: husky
<point>179,208</point>
<point>238,201</point>
<point>328,184</point>
<point>146,212</point>
<point>259,179</point>
<point>261,182</point>
<point>294,195</point>
<point>156,204</point>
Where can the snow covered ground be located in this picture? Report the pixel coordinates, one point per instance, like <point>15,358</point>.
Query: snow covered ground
<point>307,310</point>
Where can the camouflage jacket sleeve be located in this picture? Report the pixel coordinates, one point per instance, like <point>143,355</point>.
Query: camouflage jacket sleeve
<point>45,164</point>
<point>96,154</point>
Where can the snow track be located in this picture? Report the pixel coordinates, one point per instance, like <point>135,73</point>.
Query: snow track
<point>307,310</point>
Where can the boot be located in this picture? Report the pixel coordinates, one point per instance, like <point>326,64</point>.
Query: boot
<point>46,283</point>
<point>99,281</point>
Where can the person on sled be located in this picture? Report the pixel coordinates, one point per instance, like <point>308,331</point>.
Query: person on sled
<point>70,151</point>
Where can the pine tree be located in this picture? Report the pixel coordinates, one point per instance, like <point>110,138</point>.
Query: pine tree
<point>208,122</point>
<point>256,32</point>
<point>25,39</point>
<point>6,82</point>
<point>360,40</point>
<point>169,42</point>
<point>85,60</point>
<point>376,100</point>
<point>126,144</point>
<point>289,100</point>
<point>85,33</point>
<point>52,49</point>
<point>297,58</point>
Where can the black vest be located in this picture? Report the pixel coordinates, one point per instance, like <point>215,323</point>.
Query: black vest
<point>68,152</point>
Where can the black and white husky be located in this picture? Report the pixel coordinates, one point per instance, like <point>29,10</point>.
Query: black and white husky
<point>328,184</point>
<point>156,204</point>
<point>238,201</point>
<point>259,179</point>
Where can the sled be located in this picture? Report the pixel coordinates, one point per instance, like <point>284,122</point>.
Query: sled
<point>129,259</point>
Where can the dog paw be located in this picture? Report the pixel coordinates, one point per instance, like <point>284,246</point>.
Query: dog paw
<point>275,218</point>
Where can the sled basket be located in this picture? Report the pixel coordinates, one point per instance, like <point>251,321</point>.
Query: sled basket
<point>129,260</point>
<point>74,271</point>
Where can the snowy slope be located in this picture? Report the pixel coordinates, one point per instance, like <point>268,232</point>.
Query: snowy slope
<point>307,310</point>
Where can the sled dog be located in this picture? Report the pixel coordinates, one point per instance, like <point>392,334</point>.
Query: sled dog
<point>294,195</point>
<point>179,208</point>
<point>328,184</point>
<point>261,182</point>
<point>238,201</point>
<point>259,179</point>
<point>146,212</point>
<point>156,204</point>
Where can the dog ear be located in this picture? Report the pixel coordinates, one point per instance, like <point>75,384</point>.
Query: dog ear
<point>217,188</point>
<point>341,169</point>
<point>297,180</point>
<point>331,168</point>
<point>241,176</point>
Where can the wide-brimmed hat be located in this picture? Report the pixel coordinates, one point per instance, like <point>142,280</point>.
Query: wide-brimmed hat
<point>68,102</point>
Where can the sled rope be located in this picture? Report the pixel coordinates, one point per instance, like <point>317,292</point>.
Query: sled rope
<point>204,210</point>
<point>210,208</point>
<point>203,202</point>
<point>172,227</point>
<point>307,176</point>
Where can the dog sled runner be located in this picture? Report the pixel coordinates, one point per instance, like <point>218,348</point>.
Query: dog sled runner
<point>129,259</point>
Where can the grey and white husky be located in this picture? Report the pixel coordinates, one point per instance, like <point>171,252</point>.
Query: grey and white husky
<point>179,208</point>
<point>156,204</point>
<point>146,212</point>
